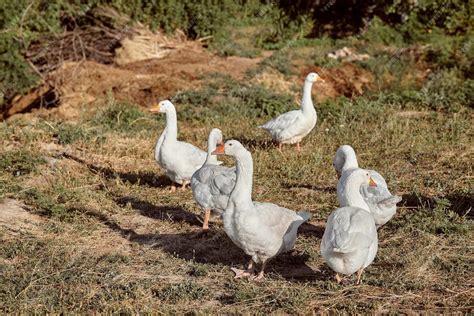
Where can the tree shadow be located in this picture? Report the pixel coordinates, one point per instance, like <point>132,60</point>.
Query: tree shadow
<point>461,203</point>
<point>148,178</point>
<point>337,18</point>
<point>162,212</point>
<point>212,248</point>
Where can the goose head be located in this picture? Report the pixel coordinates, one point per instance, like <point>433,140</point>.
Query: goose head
<point>353,183</point>
<point>231,148</point>
<point>313,77</point>
<point>215,137</point>
<point>345,159</point>
<point>162,107</point>
<point>362,177</point>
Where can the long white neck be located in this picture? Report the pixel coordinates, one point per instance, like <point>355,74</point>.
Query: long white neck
<point>353,196</point>
<point>211,146</point>
<point>171,125</point>
<point>241,196</point>
<point>159,143</point>
<point>350,160</point>
<point>307,103</point>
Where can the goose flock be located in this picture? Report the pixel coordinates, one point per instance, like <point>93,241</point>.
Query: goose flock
<point>264,230</point>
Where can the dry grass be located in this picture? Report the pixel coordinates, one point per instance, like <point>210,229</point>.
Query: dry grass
<point>114,239</point>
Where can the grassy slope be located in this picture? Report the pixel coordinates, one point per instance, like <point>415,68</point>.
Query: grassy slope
<point>114,238</point>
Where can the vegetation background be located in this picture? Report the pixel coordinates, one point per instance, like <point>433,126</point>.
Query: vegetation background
<point>87,223</point>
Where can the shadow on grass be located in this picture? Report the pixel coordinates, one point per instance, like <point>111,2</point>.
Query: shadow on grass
<point>329,189</point>
<point>461,203</point>
<point>149,178</point>
<point>162,212</point>
<point>252,143</point>
<point>211,248</point>
<point>311,230</point>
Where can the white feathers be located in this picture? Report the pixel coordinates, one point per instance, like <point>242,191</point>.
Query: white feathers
<point>291,127</point>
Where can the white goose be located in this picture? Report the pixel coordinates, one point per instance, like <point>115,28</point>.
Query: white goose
<point>350,239</point>
<point>261,230</point>
<point>291,127</point>
<point>382,204</point>
<point>179,159</point>
<point>212,184</point>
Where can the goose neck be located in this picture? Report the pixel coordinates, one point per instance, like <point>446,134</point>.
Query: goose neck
<point>353,195</point>
<point>350,161</point>
<point>242,193</point>
<point>211,146</point>
<point>307,102</point>
<point>171,125</point>
<point>159,143</point>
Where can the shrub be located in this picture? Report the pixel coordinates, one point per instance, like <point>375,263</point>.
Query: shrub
<point>70,133</point>
<point>225,96</point>
<point>19,162</point>
<point>119,116</point>
<point>439,220</point>
<point>380,33</point>
<point>447,90</point>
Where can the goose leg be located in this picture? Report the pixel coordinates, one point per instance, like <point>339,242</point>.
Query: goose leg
<point>260,276</point>
<point>244,273</point>
<point>338,278</point>
<point>298,147</point>
<point>173,188</point>
<point>359,274</point>
<point>279,147</point>
<point>183,186</point>
<point>207,214</point>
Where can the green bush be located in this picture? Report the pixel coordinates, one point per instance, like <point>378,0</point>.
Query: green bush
<point>446,90</point>
<point>19,162</point>
<point>119,116</point>
<point>278,24</point>
<point>224,96</point>
<point>439,220</point>
<point>70,133</point>
<point>378,32</point>
<point>21,23</point>
<point>453,17</point>
<point>44,202</point>
<point>279,61</point>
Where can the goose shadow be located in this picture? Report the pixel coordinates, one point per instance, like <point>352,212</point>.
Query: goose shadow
<point>214,248</point>
<point>328,189</point>
<point>219,249</point>
<point>310,230</point>
<point>461,203</point>
<point>163,212</point>
<point>141,178</point>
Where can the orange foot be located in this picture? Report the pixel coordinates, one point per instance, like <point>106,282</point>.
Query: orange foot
<point>239,274</point>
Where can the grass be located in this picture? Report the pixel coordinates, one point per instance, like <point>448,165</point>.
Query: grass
<point>113,239</point>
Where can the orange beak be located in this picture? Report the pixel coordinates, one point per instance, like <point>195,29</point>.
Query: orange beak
<point>219,150</point>
<point>320,79</point>
<point>155,108</point>
<point>372,182</point>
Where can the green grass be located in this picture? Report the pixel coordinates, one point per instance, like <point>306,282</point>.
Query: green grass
<point>111,238</point>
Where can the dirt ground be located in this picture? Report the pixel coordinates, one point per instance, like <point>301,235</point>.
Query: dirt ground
<point>144,82</point>
<point>92,227</point>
